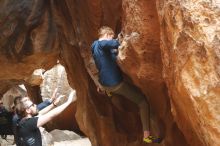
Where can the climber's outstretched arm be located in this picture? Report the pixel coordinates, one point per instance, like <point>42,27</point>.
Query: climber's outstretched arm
<point>43,119</point>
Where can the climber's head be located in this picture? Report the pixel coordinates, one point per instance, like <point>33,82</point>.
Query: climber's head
<point>106,32</point>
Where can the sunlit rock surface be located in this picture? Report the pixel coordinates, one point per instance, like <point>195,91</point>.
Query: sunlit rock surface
<point>170,51</point>
<point>63,138</point>
<point>56,78</point>
<point>54,138</point>
<point>8,142</point>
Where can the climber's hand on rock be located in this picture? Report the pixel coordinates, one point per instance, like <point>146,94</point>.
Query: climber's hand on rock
<point>120,37</point>
<point>100,91</point>
<point>115,51</point>
<point>58,98</point>
<point>72,96</point>
<point>54,95</point>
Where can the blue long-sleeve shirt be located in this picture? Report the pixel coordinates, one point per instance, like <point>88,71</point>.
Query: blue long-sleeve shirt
<point>105,60</point>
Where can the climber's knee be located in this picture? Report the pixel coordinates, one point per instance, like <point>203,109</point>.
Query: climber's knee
<point>143,103</point>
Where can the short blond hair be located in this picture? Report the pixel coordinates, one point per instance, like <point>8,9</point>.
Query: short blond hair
<point>105,30</point>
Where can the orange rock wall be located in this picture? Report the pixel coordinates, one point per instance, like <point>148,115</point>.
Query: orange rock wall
<point>190,43</point>
<point>169,51</point>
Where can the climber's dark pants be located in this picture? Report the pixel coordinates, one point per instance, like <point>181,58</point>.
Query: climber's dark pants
<point>132,93</point>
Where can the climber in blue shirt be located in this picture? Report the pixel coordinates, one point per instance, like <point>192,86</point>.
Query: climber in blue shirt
<point>104,51</point>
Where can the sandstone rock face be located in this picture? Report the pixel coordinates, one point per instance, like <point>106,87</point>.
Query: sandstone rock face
<point>9,142</point>
<point>54,138</point>
<point>190,38</point>
<point>169,50</point>
<point>56,77</point>
<point>140,59</point>
<point>26,41</point>
<point>8,97</point>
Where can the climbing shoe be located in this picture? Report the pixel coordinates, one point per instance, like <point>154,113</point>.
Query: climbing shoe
<point>109,94</point>
<point>151,139</point>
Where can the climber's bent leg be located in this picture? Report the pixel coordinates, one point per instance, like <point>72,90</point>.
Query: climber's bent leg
<point>144,108</point>
<point>133,94</point>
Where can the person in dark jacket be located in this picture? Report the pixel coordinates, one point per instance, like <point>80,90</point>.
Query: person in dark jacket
<point>28,126</point>
<point>16,118</point>
<point>40,107</point>
<point>104,51</point>
<point>5,121</point>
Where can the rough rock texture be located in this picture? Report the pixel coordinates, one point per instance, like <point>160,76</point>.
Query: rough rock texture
<point>190,39</point>
<point>22,34</point>
<point>9,142</point>
<point>8,97</point>
<point>34,34</point>
<point>140,59</point>
<point>56,78</point>
<point>54,138</point>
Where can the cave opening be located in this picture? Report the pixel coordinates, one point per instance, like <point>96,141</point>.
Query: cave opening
<point>40,87</point>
